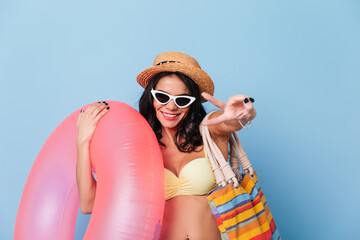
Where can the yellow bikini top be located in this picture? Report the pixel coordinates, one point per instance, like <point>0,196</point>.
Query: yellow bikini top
<point>195,178</point>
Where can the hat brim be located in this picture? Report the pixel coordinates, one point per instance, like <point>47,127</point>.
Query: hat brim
<point>200,77</point>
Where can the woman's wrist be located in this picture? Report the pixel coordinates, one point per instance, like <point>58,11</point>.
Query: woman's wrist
<point>243,120</point>
<point>246,124</point>
<point>82,142</point>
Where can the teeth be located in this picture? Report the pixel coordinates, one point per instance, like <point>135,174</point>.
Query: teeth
<point>169,115</point>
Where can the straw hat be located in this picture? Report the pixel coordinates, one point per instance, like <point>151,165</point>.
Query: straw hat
<point>178,62</point>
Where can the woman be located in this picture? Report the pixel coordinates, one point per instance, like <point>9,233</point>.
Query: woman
<point>174,89</point>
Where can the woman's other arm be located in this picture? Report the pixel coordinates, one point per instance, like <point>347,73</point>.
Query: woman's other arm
<point>86,124</point>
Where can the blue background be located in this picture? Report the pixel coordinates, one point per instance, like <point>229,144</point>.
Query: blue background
<point>300,60</point>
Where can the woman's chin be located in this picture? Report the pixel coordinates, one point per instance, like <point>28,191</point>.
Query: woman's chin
<point>168,124</point>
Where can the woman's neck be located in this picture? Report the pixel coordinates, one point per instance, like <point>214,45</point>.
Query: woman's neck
<point>168,134</point>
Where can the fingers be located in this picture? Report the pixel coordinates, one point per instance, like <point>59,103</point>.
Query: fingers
<point>249,112</point>
<point>102,113</point>
<point>95,108</point>
<point>216,102</point>
<point>249,99</point>
<point>89,109</point>
<point>241,97</point>
<point>88,120</point>
<point>98,109</point>
<point>238,100</point>
<point>249,103</point>
<point>241,101</point>
<point>92,111</point>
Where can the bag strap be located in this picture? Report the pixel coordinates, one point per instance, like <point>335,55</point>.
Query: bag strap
<point>245,163</point>
<point>224,173</point>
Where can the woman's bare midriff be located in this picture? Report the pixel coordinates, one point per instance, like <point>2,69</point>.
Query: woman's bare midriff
<point>189,217</point>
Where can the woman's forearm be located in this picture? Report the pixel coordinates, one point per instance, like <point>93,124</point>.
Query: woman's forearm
<point>85,180</point>
<point>226,128</point>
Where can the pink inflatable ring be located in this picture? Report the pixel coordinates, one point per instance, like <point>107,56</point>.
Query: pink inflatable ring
<point>129,201</point>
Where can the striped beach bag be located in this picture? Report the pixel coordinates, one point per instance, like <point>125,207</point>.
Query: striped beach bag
<point>238,203</point>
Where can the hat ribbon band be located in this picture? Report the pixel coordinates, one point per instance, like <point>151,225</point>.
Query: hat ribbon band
<point>161,63</point>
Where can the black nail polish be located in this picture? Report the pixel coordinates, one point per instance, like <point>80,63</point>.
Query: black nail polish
<point>251,99</point>
<point>99,102</point>
<point>246,100</point>
<point>107,108</point>
<point>106,103</point>
<point>80,110</point>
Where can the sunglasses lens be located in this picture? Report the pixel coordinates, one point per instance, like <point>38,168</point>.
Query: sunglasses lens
<point>162,97</point>
<point>182,101</point>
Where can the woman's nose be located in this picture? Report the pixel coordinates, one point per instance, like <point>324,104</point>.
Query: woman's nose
<point>171,105</point>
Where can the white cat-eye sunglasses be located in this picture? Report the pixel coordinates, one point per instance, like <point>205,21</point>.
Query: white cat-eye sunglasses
<point>181,101</point>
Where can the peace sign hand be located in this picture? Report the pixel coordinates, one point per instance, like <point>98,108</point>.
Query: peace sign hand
<point>238,107</point>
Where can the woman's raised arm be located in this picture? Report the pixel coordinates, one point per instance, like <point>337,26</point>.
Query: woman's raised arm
<point>86,125</point>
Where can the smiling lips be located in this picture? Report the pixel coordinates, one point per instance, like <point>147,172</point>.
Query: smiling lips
<point>170,117</point>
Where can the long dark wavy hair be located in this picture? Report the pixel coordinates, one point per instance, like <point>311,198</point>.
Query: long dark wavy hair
<point>189,130</point>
